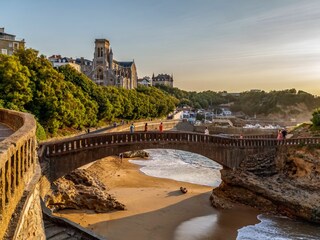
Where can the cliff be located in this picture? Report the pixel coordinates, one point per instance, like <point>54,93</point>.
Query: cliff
<point>283,181</point>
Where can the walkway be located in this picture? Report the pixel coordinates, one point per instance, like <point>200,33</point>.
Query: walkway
<point>5,131</point>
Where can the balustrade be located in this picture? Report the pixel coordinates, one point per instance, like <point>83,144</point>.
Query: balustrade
<point>17,163</point>
<point>76,144</point>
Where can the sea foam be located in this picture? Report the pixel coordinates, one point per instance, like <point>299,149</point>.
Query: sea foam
<point>181,166</point>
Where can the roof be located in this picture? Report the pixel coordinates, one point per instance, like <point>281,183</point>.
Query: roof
<point>125,64</point>
<point>79,60</point>
<point>163,77</point>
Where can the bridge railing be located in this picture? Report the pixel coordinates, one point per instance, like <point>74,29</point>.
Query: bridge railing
<point>17,162</point>
<point>110,139</point>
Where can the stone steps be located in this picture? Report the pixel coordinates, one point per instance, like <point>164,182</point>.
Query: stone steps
<point>55,232</point>
<point>261,165</point>
<point>59,229</point>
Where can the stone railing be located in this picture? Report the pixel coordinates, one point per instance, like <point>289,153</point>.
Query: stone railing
<point>108,139</point>
<point>17,164</point>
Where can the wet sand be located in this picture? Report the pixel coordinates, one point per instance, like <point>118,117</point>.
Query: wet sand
<point>155,206</point>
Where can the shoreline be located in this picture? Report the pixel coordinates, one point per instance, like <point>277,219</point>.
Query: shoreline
<point>155,207</point>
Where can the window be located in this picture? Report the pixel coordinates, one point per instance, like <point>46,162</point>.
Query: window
<point>4,51</point>
<point>100,74</point>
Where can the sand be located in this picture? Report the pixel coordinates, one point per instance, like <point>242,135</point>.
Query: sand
<point>155,206</point>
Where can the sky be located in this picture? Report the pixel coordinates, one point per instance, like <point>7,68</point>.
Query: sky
<point>218,45</point>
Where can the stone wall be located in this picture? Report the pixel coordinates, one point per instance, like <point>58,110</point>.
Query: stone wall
<point>31,222</point>
<point>17,167</point>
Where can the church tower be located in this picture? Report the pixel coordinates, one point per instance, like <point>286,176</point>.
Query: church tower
<point>107,71</point>
<point>101,62</point>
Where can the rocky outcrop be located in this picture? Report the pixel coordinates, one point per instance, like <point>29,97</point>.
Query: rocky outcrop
<point>80,190</point>
<point>138,153</point>
<point>288,185</point>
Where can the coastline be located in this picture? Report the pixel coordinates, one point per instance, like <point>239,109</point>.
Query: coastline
<point>155,207</point>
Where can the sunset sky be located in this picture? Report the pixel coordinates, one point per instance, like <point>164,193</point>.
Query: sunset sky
<point>232,45</point>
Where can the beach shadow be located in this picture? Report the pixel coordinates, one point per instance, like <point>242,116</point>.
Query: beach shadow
<point>174,193</point>
<point>161,224</point>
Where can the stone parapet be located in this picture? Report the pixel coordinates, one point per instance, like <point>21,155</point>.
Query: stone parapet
<point>17,164</point>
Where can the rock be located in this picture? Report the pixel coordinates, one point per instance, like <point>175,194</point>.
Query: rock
<point>138,153</point>
<point>80,190</point>
<point>183,189</point>
<point>285,181</point>
<point>220,202</point>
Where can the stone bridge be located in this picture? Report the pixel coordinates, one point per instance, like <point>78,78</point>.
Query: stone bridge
<point>61,157</point>
<point>23,182</point>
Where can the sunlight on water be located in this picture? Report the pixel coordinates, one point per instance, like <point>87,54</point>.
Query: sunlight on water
<point>196,229</point>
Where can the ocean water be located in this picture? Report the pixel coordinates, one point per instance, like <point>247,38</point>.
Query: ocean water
<point>279,228</point>
<point>181,166</point>
<point>194,168</point>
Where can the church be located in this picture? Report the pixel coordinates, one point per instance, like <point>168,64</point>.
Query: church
<point>106,71</point>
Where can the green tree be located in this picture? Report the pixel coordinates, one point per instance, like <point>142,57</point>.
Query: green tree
<point>316,118</point>
<point>14,83</point>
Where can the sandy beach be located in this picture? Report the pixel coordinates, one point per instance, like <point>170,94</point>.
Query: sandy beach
<point>155,207</point>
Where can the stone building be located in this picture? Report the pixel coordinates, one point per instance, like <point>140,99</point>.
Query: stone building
<point>9,43</point>
<point>162,79</point>
<point>57,61</point>
<point>108,72</point>
<point>145,81</point>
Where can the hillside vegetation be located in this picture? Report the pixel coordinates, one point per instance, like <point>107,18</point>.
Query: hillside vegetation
<point>276,104</point>
<point>64,98</point>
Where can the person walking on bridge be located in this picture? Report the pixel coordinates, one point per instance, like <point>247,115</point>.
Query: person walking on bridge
<point>146,127</point>
<point>206,131</point>
<point>161,127</point>
<point>131,128</point>
<point>279,136</point>
<point>284,133</point>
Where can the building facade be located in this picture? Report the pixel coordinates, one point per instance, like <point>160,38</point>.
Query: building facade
<point>106,71</point>
<point>145,81</point>
<point>58,61</point>
<point>9,43</point>
<point>162,79</point>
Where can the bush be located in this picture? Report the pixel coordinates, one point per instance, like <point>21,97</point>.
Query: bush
<point>316,118</point>
<point>40,132</point>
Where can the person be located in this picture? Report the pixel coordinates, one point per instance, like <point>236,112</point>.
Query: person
<point>161,127</point>
<point>114,124</point>
<point>206,131</point>
<point>241,136</point>
<point>132,128</point>
<point>284,133</point>
<point>121,157</point>
<point>88,130</point>
<point>146,127</point>
<point>279,136</point>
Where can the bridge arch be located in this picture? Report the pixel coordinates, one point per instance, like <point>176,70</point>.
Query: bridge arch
<point>61,157</point>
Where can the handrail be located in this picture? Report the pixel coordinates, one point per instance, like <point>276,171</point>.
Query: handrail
<point>120,138</point>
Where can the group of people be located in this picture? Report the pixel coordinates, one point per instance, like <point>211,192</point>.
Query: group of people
<point>145,127</point>
<point>282,134</point>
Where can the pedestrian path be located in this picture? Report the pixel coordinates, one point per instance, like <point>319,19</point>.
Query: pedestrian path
<point>5,131</point>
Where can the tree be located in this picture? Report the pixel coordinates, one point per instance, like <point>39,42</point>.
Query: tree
<point>14,83</point>
<point>316,118</point>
